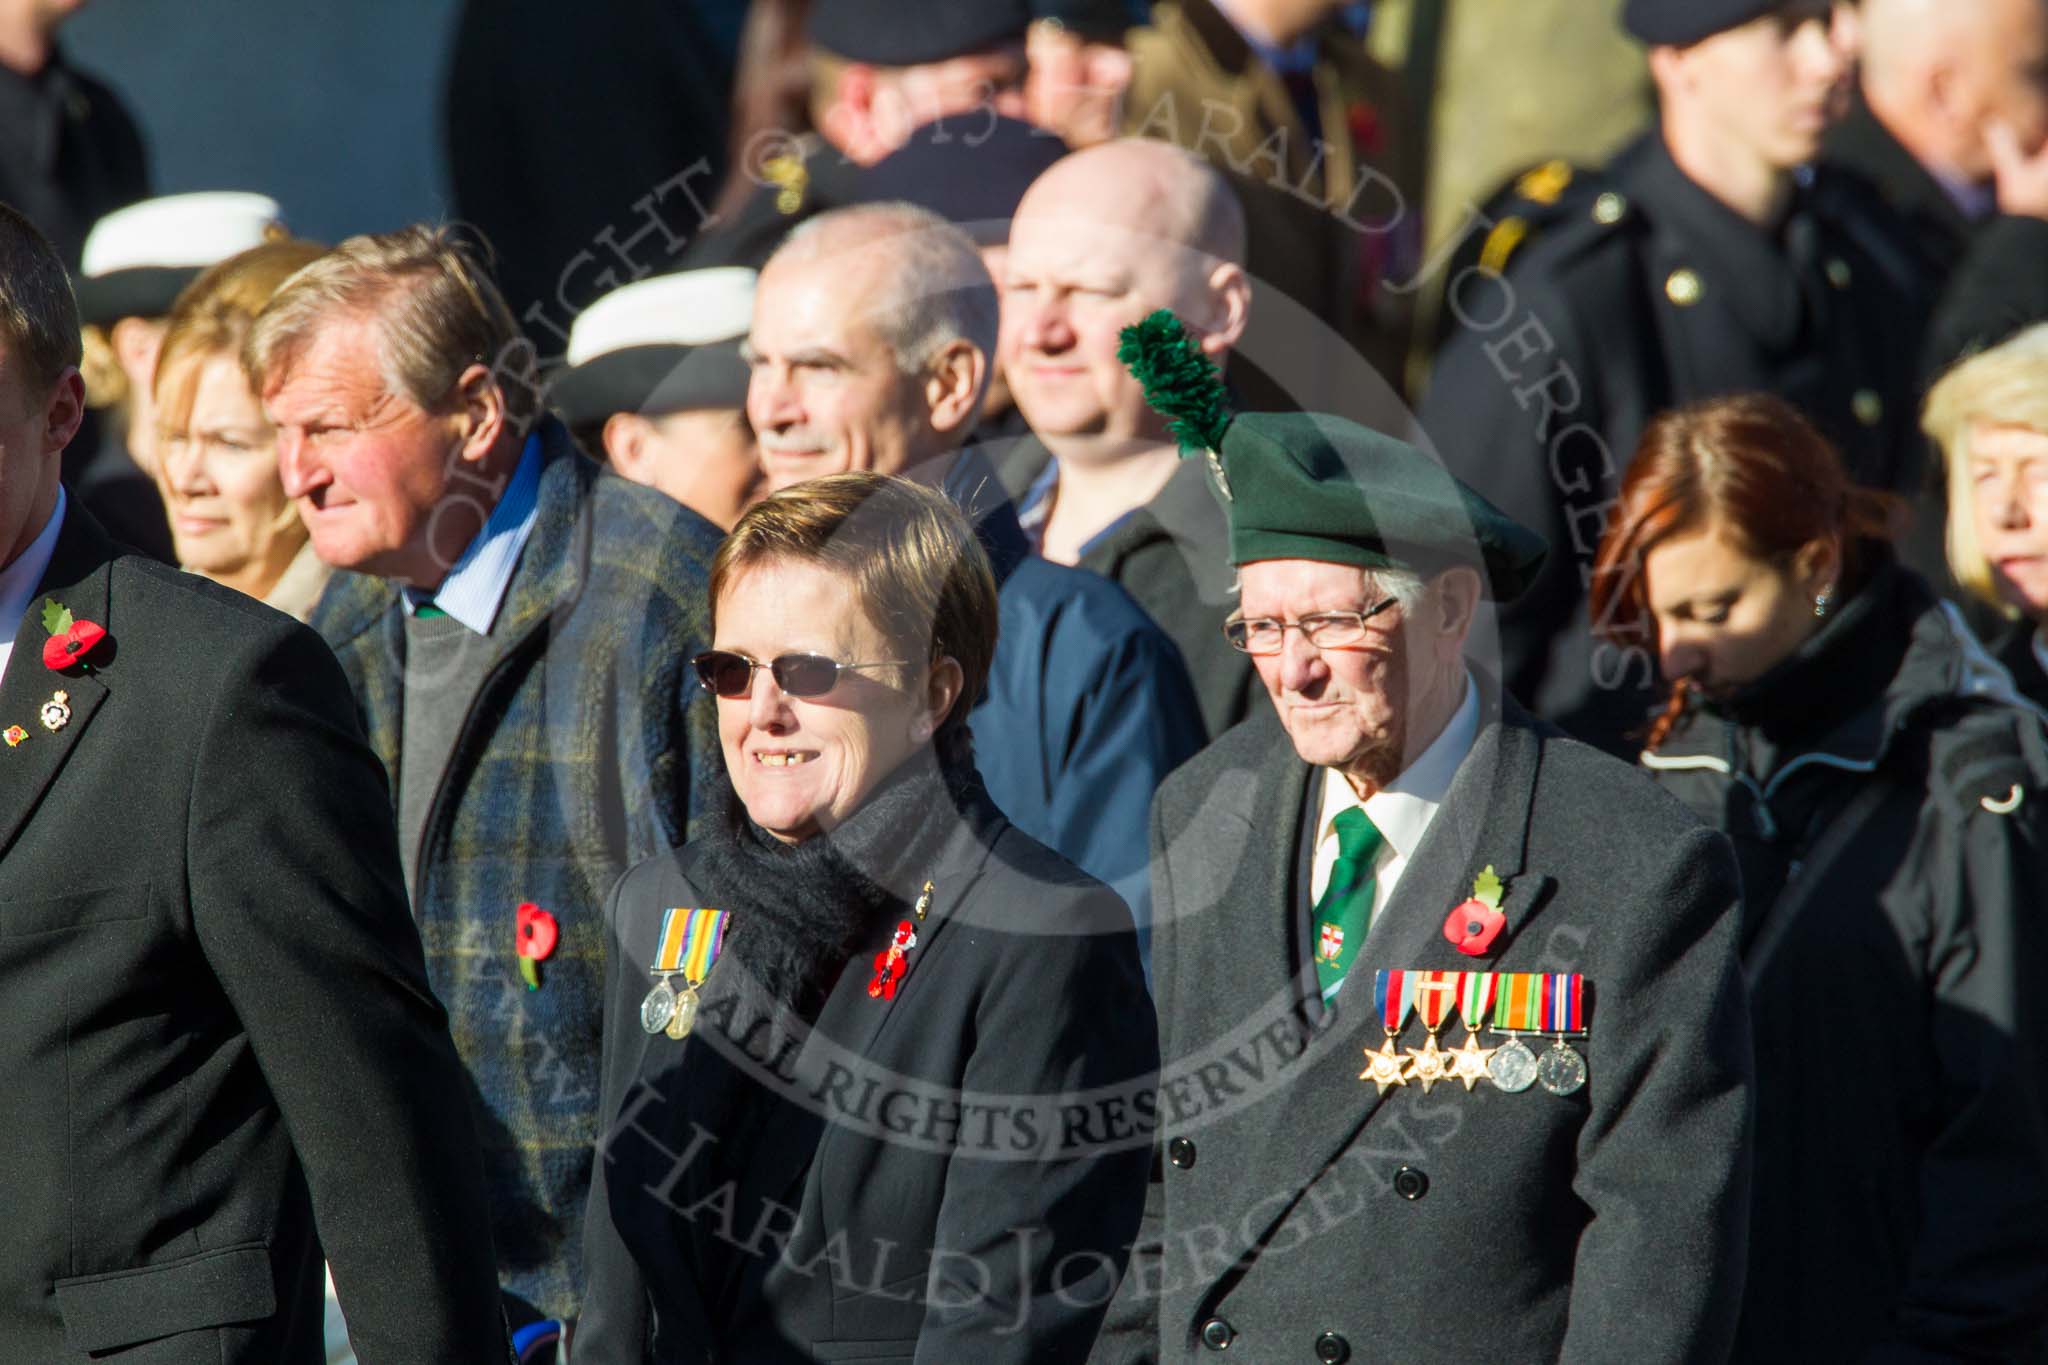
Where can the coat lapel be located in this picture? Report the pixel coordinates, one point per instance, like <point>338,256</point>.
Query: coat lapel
<point>852,1021</point>
<point>80,578</point>
<point>1484,819</point>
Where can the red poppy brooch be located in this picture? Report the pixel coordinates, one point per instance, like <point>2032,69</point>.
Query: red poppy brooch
<point>537,933</point>
<point>1475,924</point>
<point>71,641</point>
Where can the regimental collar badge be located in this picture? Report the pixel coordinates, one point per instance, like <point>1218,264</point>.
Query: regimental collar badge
<point>56,712</point>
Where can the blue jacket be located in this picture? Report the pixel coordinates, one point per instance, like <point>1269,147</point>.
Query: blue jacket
<point>1088,707</point>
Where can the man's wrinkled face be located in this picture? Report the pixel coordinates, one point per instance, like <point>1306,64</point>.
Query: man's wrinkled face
<point>368,467</point>
<point>825,395</point>
<point>1343,708</point>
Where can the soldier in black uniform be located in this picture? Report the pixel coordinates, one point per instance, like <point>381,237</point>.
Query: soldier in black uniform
<point>1705,259</point>
<point>880,68</point>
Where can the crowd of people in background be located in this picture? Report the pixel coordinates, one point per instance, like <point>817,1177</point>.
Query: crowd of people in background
<point>1107,518</point>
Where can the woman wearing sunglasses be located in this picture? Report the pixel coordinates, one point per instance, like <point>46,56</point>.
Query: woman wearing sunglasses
<point>875,1062</point>
<point>1883,787</point>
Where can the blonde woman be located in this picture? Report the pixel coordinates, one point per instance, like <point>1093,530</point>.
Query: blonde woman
<point>217,453</point>
<point>1989,415</point>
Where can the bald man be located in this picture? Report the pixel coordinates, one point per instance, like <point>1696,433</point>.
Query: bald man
<point>1101,239</point>
<point>1951,123</point>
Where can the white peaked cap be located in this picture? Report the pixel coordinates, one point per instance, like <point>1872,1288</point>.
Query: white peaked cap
<point>180,231</point>
<point>694,308</point>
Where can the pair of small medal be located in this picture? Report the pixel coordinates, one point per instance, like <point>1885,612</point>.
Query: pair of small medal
<point>1512,1003</point>
<point>690,942</point>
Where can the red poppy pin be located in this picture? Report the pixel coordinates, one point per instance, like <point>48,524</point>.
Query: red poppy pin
<point>71,640</point>
<point>1473,926</point>
<point>892,962</point>
<point>537,932</point>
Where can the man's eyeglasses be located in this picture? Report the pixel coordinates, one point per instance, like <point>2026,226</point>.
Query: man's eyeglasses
<point>1324,629</point>
<point>726,674</point>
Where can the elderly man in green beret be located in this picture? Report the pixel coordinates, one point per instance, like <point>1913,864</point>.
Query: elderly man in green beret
<point>1457,1061</point>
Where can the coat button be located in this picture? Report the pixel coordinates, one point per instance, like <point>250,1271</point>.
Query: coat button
<point>1332,1349</point>
<point>1181,1153</point>
<point>1217,1334</point>
<point>1410,1183</point>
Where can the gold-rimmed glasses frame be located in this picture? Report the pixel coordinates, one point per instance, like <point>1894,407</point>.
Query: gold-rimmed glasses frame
<point>1262,635</point>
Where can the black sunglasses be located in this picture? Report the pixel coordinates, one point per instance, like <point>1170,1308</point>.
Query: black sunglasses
<point>726,674</point>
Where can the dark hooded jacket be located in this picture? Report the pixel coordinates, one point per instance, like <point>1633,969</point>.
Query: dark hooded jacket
<point>1883,788</point>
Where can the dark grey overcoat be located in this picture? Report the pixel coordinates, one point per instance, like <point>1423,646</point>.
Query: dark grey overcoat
<point>1301,1216</point>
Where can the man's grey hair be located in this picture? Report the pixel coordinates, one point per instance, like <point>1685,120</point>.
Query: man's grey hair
<point>1405,586</point>
<point>436,309</point>
<point>934,290</point>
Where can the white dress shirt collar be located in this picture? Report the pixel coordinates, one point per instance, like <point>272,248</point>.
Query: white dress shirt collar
<point>1402,809</point>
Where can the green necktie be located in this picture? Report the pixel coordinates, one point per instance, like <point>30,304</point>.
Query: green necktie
<point>1345,910</point>
<point>427,611</point>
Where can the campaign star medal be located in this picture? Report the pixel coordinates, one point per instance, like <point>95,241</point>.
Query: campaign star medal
<point>56,712</point>
<point>1475,998</point>
<point>1392,993</point>
<point>892,962</point>
<point>1562,1070</point>
<point>1517,1009</point>
<point>1435,992</point>
<point>690,942</point>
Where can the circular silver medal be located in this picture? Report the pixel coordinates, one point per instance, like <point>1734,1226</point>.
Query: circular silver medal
<point>1512,1066</point>
<point>1562,1070</point>
<point>685,1017</point>
<point>658,1008</point>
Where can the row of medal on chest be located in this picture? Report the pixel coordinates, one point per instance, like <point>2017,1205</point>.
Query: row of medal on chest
<point>1550,1004</point>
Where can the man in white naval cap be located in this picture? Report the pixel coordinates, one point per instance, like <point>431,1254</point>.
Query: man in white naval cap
<point>655,386</point>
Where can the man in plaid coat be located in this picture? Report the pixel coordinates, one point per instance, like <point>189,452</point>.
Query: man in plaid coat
<point>517,627</point>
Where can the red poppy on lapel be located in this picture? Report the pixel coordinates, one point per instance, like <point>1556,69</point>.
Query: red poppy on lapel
<point>537,933</point>
<point>70,639</point>
<point>1473,925</point>
<point>892,962</point>
<point>15,735</point>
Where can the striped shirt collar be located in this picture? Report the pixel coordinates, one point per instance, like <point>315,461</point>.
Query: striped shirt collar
<point>475,588</point>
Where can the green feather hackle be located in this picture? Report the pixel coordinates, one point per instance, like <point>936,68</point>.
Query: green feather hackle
<point>1180,382</point>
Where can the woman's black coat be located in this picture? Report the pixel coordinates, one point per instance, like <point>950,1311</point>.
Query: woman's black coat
<point>1887,794</point>
<point>953,1175</point>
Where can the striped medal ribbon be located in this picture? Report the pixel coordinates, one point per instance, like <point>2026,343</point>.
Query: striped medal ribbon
<point>690,943</point>
<point>1393,995</point>
<point>1435,995</point>
<point>1562,1070</point>
<point>1475,998</point>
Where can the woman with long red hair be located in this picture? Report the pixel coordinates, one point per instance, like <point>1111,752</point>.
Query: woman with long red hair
<point>1884,790</point>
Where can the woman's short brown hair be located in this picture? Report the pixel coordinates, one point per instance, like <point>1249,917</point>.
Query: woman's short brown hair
<point>212,317</point>
<point>913,557</point>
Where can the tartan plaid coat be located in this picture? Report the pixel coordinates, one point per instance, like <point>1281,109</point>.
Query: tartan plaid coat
<point>581,755</point>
